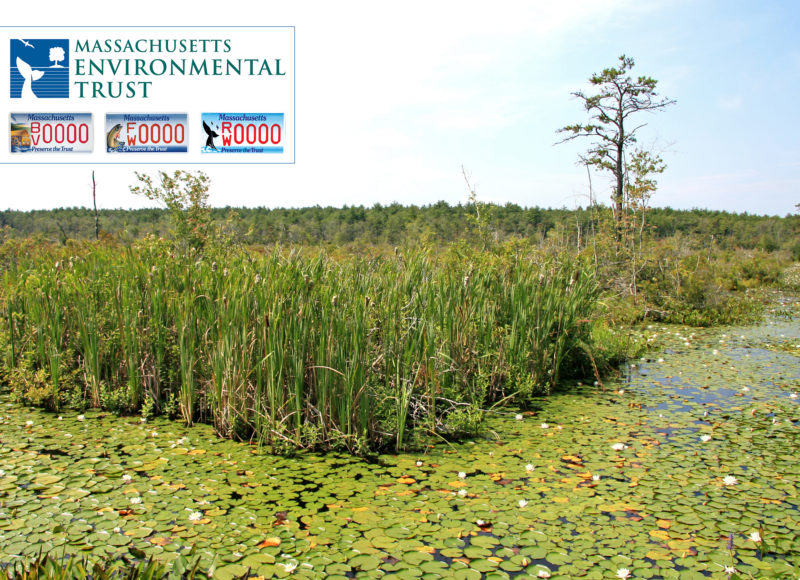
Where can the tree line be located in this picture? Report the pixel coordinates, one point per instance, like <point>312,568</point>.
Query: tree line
<point>397,225</point>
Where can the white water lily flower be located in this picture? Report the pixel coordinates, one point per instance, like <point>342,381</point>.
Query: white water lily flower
<point>195,516</point>
<point>729,570</point>
<point>419,463</point>
<point>729,480</point>
<point>529,467</point>
<point>28,423</point>
<point>81,417</point>
<point>705,438</point>
<point>595,477</point>
<point>623,573</point>
<point>755,536</point>
<point>289,566</point>
<point>518,417</point>
<point>543,574</point>
<point>618,446</point>
<point>117,530</point>
<point>126,477</point>
<point>136,500</point>
<point>793,396</point>
<point>745,389</point>
<point>523,503</point>
<point>462,475</point>
<point>621,392</point>
<point>462,492</point>
<point>545,426</point>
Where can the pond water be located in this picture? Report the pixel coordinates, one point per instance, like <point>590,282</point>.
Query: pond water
<point>686,467</point>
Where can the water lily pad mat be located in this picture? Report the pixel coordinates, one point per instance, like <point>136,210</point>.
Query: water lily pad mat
<point>684,469</point>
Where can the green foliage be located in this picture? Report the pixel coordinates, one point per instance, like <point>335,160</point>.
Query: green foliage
<point>795,252</point>
<point>699,288</point>
<point>613,345</point>
<point>48,567</point>
<point>359,347</point>
<point>619,97</point>
<point>185,195</point>
<point>292,350</point>
<point>375,228</point>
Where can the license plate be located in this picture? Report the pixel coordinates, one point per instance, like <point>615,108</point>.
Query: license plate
<point>51,132</point>
<point>243,133</point>
<point>147,133</point>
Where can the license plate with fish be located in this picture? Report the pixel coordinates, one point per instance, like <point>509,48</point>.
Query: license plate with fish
<point>147,133</point>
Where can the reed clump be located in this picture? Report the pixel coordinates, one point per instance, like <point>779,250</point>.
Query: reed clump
<point>288,349</point>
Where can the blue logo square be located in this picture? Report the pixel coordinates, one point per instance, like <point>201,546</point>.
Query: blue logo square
<point>39,68</point>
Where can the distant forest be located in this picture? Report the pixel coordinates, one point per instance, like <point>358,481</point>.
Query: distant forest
<point>396,224</point>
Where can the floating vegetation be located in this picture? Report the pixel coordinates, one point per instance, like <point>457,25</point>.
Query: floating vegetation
<point>673,473</point>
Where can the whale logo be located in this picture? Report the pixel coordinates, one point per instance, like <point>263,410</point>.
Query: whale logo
<point>211,134</point>
<point>32,59</point>
<point>29,75</point>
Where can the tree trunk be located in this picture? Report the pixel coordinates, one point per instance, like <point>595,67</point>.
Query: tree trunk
<point>619,192</point>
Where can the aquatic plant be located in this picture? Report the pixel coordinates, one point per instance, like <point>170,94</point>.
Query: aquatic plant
<point>294,351</point>
<point>49,567</point>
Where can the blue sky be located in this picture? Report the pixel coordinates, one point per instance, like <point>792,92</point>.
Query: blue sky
<point>393,99</point>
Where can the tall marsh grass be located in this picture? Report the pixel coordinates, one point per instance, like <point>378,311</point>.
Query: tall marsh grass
<point>293,350</point>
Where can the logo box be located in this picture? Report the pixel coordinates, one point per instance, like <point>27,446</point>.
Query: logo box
<point>173,81</point>
<point>39,68</point>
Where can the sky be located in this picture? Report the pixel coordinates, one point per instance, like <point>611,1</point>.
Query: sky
<point>395,100</point>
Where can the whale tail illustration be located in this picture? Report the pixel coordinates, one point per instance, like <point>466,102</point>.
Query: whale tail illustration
<point>30,75</point>
<point>211,134</point>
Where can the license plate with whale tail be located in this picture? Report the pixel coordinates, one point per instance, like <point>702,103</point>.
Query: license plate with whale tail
<point>243,133</point>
